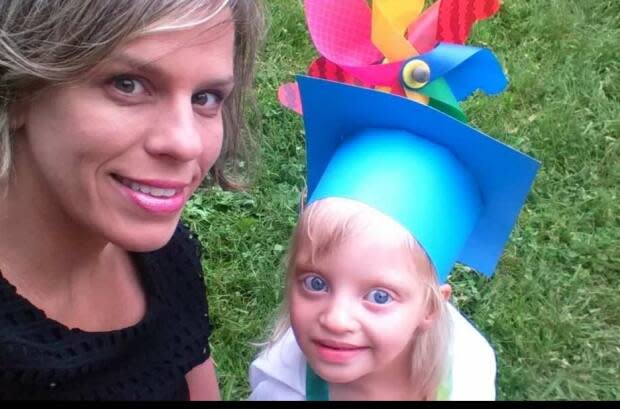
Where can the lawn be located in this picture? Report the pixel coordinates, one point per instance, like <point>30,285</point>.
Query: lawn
<point>552,310</point>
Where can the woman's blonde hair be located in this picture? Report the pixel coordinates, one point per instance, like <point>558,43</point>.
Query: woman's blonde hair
<point>47,42</point>
<point>328,223</point>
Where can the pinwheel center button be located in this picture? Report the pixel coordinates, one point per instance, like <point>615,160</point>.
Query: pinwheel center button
<point>415,74</point>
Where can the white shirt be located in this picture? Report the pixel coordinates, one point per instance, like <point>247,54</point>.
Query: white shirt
<point>279,372</point>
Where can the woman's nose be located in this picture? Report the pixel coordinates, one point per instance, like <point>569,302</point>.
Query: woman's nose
<point>175,133</point>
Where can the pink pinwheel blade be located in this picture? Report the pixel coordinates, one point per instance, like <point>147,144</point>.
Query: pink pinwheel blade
<point>341,31</point>
<point>422,33</point>
<point>288,94</point>
<point>377,74</point>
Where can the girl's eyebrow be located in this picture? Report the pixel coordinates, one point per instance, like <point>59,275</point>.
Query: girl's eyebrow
<point>304,266</point>
<point>392,279</point>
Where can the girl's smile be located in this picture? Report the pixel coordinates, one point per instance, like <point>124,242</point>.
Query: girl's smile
<point>337,352</point>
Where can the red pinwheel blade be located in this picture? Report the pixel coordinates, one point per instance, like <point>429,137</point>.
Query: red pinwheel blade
<point>323,68</point>
<point>288,94</point>
<point>456,17</point>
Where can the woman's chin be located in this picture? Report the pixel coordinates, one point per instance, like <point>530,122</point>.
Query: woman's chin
<point>145,239</point>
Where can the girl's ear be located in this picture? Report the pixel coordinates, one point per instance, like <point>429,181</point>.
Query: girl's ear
<point>445,292</point>
<point>303,196</point>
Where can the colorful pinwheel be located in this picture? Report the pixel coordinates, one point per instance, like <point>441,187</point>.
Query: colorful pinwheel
<point>395,47</point>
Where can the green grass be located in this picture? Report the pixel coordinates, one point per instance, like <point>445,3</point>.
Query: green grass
<point>552,310</point>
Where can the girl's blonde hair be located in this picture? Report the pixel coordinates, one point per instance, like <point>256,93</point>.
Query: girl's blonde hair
<point>51,42</point>
<point>328,223</point>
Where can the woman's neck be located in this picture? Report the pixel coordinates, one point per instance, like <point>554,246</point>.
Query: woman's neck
<point>57,265</point>
<point>40,238</point>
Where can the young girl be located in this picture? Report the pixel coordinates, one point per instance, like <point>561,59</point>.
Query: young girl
<point>369,317</point>
<point>393,204</point>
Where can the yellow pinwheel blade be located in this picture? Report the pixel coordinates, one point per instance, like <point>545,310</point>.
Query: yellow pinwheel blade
<point>390,19</point>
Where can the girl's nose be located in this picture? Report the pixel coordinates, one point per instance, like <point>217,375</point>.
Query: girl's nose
<point>338,317</point>
<point>175,133</point>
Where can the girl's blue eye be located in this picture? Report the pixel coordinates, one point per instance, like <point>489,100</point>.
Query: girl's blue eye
<point>379,297</point>
<point>315,283</point>
<point>205,98</point>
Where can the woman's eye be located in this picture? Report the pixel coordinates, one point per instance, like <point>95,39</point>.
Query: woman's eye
<point>128,85</point>
<point>206,99</point>
<point>379,297</point>
<point>315,283</point>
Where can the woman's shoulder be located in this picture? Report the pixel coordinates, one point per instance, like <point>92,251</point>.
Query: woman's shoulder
<point>183,240</point>
<point>279,371</point>
<point>177,264</point>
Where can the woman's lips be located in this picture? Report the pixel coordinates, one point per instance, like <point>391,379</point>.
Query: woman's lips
<point>155,196</point>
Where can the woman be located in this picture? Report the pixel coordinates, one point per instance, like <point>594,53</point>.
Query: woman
<point>111,115</point>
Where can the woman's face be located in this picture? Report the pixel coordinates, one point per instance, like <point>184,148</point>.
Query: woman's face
<point>118,154</point>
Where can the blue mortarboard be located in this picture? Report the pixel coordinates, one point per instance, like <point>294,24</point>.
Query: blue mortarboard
<point>457,190</point>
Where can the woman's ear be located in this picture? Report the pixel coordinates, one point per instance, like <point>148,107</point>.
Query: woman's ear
<point>17,114</point>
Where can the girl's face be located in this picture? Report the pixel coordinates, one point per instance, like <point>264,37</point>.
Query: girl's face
<point>119,153</point>
<point>355,309</point>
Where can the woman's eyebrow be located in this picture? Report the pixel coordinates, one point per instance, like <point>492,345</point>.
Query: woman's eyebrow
<point>135,63</point>
<point>148,66</point>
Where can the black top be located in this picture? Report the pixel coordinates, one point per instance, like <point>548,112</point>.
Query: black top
<point>43,359</point>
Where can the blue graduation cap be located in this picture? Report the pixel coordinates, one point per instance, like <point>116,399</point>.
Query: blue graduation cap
<point>457,190</point>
